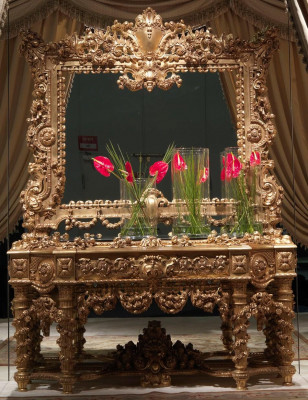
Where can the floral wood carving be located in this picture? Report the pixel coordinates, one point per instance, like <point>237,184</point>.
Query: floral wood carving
<point>42,273</point>
<point>135,301</point>
<point>146,54</point>
<point>276,318</point>
<point>262,269</point>
<point>98,300</point>
<point>171,301</point>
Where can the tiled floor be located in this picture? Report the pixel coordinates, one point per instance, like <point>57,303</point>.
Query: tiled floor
<point>134,326</point>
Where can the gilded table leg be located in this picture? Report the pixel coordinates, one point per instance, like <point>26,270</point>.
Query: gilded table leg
<point>226,325</point>
<point>240,324</point>
<point>67,328</point>
<point>23,322</point>
<point>285,329</point>
<point>80,340</point>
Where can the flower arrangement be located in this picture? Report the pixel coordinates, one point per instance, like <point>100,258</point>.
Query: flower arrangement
<point>190,179</point>
<point>134,188</point>
<point>240,184</point>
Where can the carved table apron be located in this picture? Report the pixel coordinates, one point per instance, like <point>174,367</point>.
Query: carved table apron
<point>62,285</point>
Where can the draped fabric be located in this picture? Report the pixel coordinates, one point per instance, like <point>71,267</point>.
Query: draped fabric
<point>53,19</point>
<point>15,100</point>
<point>299,12</point>
<point>283,107</point>
<point>3,13</point>
<point>100,13</point>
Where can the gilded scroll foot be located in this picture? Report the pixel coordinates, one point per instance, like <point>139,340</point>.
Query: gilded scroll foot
<point>67,384</point>
<point>241,379</point>
<point>287,373</point>
<point>22,380</point>
<point>287,380</point>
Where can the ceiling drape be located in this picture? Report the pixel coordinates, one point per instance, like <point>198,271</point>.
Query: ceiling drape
<point>53,19</point>
<point>100,13</point>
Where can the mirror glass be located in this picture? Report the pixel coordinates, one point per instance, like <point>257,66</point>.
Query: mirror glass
<point>141,122</point>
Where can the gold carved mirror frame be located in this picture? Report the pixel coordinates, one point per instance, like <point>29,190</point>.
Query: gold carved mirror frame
<point>146,54</point>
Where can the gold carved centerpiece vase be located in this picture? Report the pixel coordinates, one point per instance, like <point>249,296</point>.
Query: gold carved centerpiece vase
<point>190,183</point>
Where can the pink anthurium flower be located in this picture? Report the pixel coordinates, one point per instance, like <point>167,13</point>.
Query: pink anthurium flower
<point>178,162</point>
<point>103,165</point>
<point>130,176</point>
<point>223,171</point>
<point>204,175</point>
<point>234,166</point>
<point>160,168</point>
<point>255,159</point>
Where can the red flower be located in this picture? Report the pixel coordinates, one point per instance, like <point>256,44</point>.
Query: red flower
<point>204,175</point>
<point>234,166</point>
<point>223,171</point>
<point>129,170</point>
<point>103,165</point>
<point>178,162</point>
<point>255,158</point>
<point>160,168</point>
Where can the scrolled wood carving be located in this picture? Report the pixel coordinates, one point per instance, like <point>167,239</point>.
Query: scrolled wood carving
<point>276,318</point>
<point>98,300</point>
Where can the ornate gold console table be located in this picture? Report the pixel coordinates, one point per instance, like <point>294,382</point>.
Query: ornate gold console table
<point>56,280</point>
<point>63,283</point>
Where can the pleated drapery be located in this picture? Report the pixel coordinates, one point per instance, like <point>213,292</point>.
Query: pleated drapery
<point>54,19</point>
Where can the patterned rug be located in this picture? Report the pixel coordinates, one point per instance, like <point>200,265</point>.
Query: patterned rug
<point>209,342</point>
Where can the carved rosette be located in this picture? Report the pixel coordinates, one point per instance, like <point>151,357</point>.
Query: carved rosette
<point>262,269</point>
<point>42,273</point>
<point>19,268</point>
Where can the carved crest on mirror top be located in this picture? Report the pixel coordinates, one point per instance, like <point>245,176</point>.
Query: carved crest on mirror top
<point>146,54</point>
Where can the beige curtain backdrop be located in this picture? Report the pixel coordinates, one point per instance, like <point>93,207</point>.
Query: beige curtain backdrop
<point>3,13</point>
<point>15,101</point>
<point>100,13</point>
<point>279,94</point>
<point>242,17</point>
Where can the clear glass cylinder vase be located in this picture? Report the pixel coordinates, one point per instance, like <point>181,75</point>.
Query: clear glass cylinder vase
<point>241,182</point>
<point>190,184</point>
<point>140,224</point>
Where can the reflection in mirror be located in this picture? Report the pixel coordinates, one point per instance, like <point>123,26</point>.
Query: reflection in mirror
<point>140,122</point>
